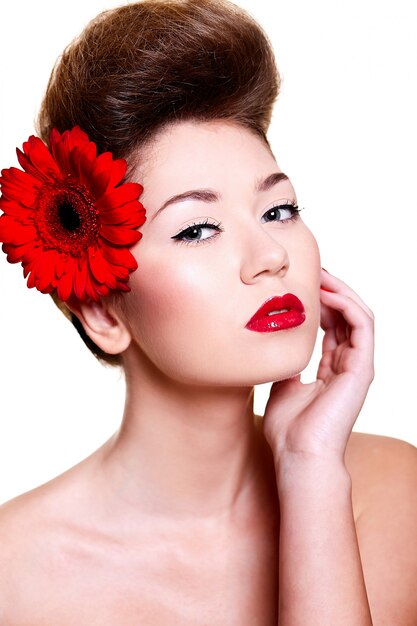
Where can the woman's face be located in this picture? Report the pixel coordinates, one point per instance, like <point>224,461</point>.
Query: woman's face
<point>192,296</point>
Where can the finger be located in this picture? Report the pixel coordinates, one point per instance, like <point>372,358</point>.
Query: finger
<point>284,388</point>
<point>329,343</point>
<point>330,318</point>
<point>324,369</point>
<point>361,325</point>
<point>349,333</point>
<point>334,326</point>
<point>353,314</point>
<point>336,330</point>
<point>329,281</point>
<point>341,331</point>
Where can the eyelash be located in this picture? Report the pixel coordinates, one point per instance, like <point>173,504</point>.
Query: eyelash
<point>180,237</point>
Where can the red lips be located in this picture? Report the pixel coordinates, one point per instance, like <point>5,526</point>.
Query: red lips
<point>293,316</point>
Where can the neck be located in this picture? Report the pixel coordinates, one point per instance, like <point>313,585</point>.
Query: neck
<point>187,451</point>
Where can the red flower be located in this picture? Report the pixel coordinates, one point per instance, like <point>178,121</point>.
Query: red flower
<point>66,220</point>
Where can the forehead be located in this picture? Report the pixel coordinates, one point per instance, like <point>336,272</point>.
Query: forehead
<point>203,153</point>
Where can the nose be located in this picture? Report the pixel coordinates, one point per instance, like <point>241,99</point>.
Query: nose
<point>263,255</point>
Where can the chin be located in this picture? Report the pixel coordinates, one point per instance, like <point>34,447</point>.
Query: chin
<point>247,372</point>
<point>276,374</point>
<point>265,358</point>
<point>285,361</point>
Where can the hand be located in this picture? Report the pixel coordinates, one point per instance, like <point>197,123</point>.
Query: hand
<point>317,418</point>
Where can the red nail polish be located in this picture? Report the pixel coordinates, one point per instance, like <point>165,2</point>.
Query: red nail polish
<point>329,290</point>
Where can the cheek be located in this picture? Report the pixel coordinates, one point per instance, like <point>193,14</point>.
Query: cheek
<point>167,307</point>
<point>314,262</point>
<point>304,255</point>
<point>305,269</point>
<point>307,244</point>
<point>184,316</point>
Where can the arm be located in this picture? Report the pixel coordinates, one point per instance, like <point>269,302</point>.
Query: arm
<point>321,581</point>
<point>387,528</point>
<point>308,427</point>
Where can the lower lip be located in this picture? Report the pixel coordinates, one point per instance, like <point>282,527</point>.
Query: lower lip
<point>278,321</point>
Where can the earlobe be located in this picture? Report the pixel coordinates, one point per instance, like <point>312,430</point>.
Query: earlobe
<point>105,328</point>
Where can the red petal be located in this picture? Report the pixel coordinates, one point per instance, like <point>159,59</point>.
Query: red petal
<point>38,160</point>
<point>119,235</point>
<point>54,138</point>
<point>123,286</point>
<point>74,163</point>
<point>119,256</point>
<point>90,289</point>
<point>87,157</point>
<point>119,271</point>
<point>45,270</point>
<point>102,290</point>
<point>119,196</point>
<point>26,269</point>
<point>64,287</point>
<point>118,171</point>
<point>132,208</point>
<point>100,268</point>
<point>14,232</point>
<point>48,289</point>
<point>60,146</point>
<point>32,249</point>
<point>80,279</point>
<point>59,266</point>
<point>15,254</point>
<point>16,210</point>
<point>25,197</point>
<point>21,254</point>
<point>135,220</point>
<point>31,281</point>
<point>19,186</point>
<point>14,176</point>
<point>120,216</point>
<point>101,174</point>
<point>75,137</point>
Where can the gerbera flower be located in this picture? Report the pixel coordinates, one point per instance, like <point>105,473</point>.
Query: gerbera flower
<point>67,219</point>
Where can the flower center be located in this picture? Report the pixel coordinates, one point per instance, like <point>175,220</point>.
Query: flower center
<point>68,215</point>
<point>66,219</point>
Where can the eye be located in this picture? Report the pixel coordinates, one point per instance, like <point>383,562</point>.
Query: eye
<point>281,213</point>
<point>286,212</point>
<point>191,234</point>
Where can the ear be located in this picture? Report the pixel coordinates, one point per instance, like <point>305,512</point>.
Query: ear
<point>104,327</point>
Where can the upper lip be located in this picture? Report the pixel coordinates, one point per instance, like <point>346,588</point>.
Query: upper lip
<point>276,303</point>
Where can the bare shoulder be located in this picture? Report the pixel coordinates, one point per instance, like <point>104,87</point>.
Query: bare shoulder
<point>20,519</point>
<point>24,534</point>
<point>375,445</point>
<point>20,547</point>
<point>384,487</point>
<point>37,511</point>
<point>376,463</point>
<point>36,535</point>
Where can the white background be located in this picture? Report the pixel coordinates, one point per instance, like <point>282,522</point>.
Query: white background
<point>344,129</point>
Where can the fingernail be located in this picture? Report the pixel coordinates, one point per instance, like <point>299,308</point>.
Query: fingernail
<point>323,289</point>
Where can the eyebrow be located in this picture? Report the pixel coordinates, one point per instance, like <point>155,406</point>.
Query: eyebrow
<point>208,195</point>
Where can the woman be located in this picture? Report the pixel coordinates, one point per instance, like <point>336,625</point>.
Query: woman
<point>197,510</point>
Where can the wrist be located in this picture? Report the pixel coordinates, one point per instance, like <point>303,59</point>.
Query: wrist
<point>312,472</point>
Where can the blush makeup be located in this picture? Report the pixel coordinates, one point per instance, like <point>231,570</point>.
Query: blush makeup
<point>278,313</point>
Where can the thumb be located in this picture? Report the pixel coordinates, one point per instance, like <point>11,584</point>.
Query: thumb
<point>281,384</point>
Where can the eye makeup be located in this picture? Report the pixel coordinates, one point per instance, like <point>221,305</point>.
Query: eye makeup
<point>279,210</point>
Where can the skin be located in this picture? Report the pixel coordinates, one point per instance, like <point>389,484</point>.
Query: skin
<point>189,390</point>
<point>194,489</point>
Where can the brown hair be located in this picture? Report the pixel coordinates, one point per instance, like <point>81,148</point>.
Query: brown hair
<point>140,67</point>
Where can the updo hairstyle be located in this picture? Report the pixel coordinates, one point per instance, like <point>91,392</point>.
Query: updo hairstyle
<point>141,67</point>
